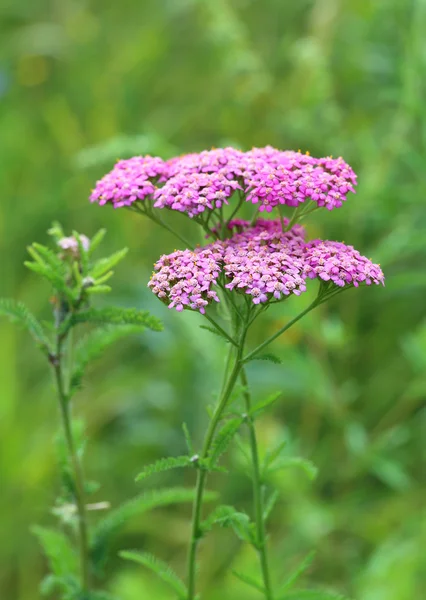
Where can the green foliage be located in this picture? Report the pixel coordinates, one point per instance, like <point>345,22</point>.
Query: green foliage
<point>296,574</point>
<point>160,568</point>
<point>269,504</point>
<point>214,332</point>
<point>268,356</point>
<point>293,461</point>
<point>254,583</point>
<point>93,345</point>
<point>164,464</point>
<point>114,315</point>
<point>228,516</point>
<point>18,313</point>
<point>262,405</point>
<point>143,503</point>
<point>223,439</point>
<point>104,265</point>
<point>58,550</point>
<point>311,595</point>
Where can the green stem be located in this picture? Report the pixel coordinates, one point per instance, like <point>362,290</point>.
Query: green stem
<point>220,329</point>
<point>257,493</point>
<point>202,473</point>
<point>75,466</point>
<point>281,331</point>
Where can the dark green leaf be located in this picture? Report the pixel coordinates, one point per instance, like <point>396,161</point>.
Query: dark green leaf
<point>269,357</point>
<point>160,568</point>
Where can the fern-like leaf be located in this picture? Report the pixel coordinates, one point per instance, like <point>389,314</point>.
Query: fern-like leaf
<point>160,568</point>
<point>249,581</point>
<point>18,313</point>
<point>228,516</point>
<point>57,282</point>
<point>262,405</point>
<point>296,574</point>
<point>223,439</point>
<point>214,332</point>
<point>164,464</point>
<point>58,550</point>
<point>93,345</point>
<point>113,315</point>
<point>268,356</point>
<point>96,241</point>
<point>104,265</point>
<point>135,507</point>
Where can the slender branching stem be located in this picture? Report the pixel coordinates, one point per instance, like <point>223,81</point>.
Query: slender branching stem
<point>202,472</point>
<point>259,348</point>
<point>261,543</point>
<point>76,468</point>
<point>220,329</point>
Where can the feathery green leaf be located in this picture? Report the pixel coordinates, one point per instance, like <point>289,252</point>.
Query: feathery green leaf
<point>104,265</point>
<point>249,581</point>
<point>268,356</point>
<point>228,516</point>
<point>58,550</point>
<point>262,405</point>
<point>18,313</point>
<point>93,345</point>
<point>223,439</point>
<point>298,571</point>
<point>214,331</point>
<point>160,568</point>
<point>96,241</point>
<point>114,315</point>
<point>164,464</point>
<point>188,440</point>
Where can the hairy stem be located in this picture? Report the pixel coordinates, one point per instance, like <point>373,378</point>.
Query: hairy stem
<point>202,473</point>
<point>261,546</point>
<point>77,472</point>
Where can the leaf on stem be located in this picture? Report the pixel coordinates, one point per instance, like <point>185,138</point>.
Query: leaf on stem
<point>269,505</point>
<point>18,313</point>
<point>114,315</point>
<point>58,550</point>
<point>254,583</point>
<point>307,466</point>
<point>262,405</point>
<point>104,265</point>
<point>228,516</point>
<point>160,568</point>
<point>188,440</point>
<point>223,439</point>
<point>267,356</point>
<point>164,464</point>
<point>93,345</point>
<point>296,574</point>
<point>215,332</point>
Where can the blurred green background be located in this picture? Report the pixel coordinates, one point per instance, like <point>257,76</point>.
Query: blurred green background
<point>85,82</point>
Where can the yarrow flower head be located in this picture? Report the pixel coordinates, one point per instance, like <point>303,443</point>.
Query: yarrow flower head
<point>261,261</point>
<point>130,180</point>
<point>205,181</point>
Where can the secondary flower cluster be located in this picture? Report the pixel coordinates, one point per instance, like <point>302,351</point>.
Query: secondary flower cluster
<point>262,261</point>
<point>194,183</point>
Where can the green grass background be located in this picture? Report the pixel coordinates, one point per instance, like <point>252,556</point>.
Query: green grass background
<point>85,82</point>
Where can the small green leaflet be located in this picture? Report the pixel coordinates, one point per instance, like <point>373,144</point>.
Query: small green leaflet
<point>223,439</point>
<point>104,265</point>
<point>113,315</point>
<point>284,463</point>
<point>268,356</point>
<point>214,331</point>
<point>188,440</point>
<point>298,571</point>
<point>164,464</point>
<point>262,405</point>
<point>228,516</point>
<point>58,550</point>
<point>18,313</point>
<point>249,581</point>
<point>269,505</point>
<point>160,568</point>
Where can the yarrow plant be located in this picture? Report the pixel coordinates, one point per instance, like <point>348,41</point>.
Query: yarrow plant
<point>76,549</point>
<point>245,266</point>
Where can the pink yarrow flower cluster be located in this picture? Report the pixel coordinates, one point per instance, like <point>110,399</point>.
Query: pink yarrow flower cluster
<point>130,180</point>
<point>263,262</point>
<point>194,183</point>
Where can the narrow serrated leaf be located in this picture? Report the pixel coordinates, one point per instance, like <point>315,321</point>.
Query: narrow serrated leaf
<point>298,571</point>
<point>269,505</point>
<point>96,241</point>
<point>106,264</point>
<point>223,439</point>
<point>58,550</point>
<point>215,332</point>
<point>114,315</point>
<point>93,345</point>
<point>164,464</point>
<point>188,440</point>
<point>284,463</point>
<point>160,568</point>
<point>262,405</point>
<point>18,313</point>
<point>273,453</point>
<point>269,357</point>
<point>257,585</point>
